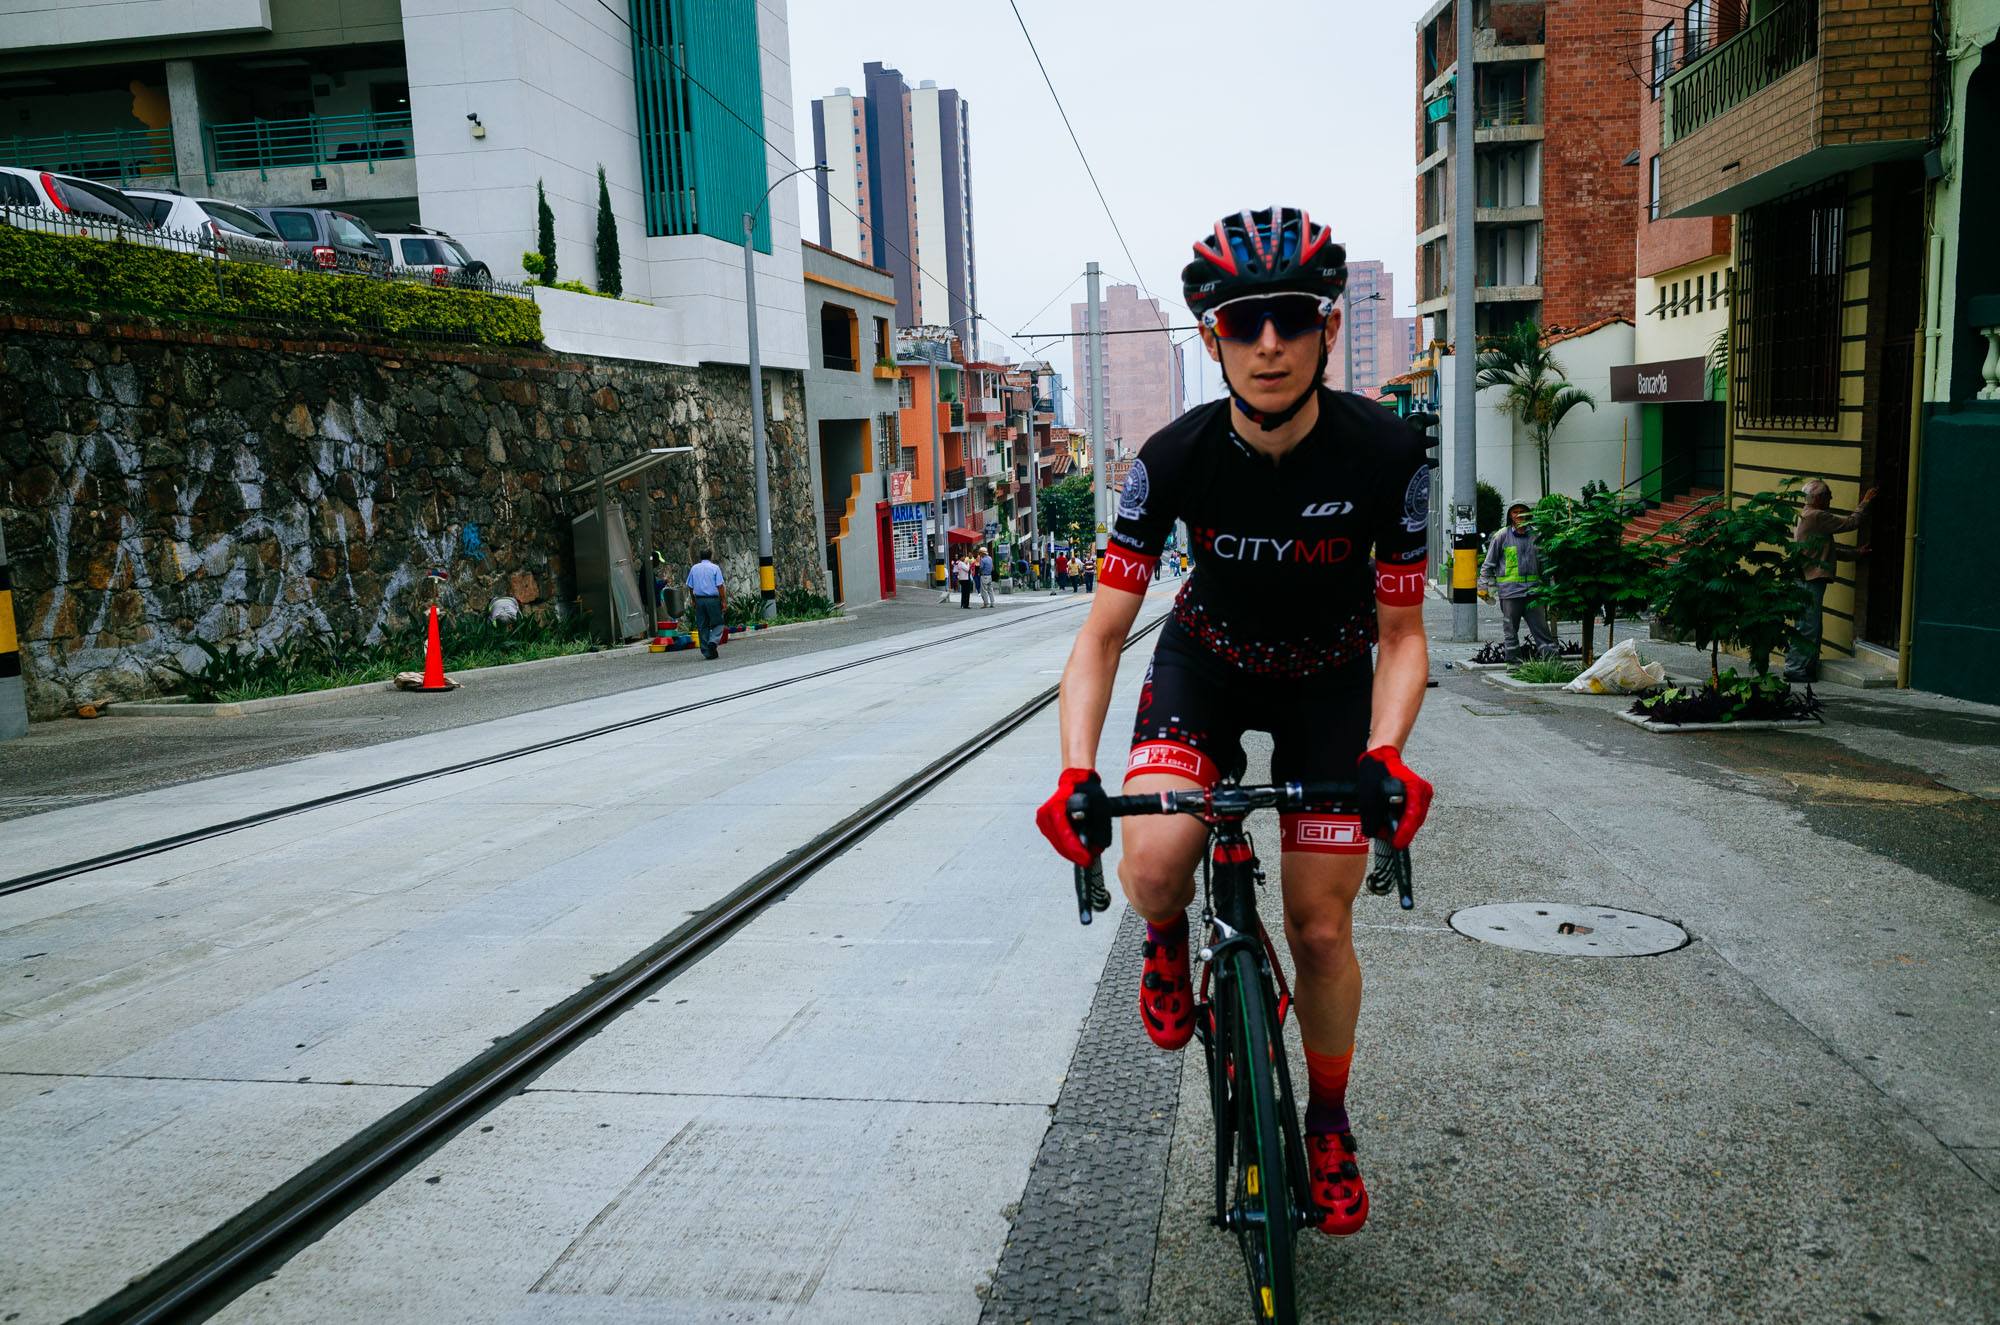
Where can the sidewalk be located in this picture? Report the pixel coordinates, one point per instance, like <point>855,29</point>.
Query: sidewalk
<point>1796,1116</point>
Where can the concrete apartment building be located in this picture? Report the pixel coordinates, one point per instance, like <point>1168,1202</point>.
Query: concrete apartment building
<point>1142,377</point>
<point>1553,222</point>
<point>852,409</point>
<point>1383,343</point>
<point>898,194</point>
<point>447,112</point>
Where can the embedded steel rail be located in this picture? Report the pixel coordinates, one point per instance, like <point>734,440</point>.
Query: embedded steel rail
<point>210,1273</point>
<point>56,873</point>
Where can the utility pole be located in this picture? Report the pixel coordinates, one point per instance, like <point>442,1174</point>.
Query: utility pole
<point>13,698</point>
<point>937,481</point>
<point>1028,437</point>
<point>1465,349</point>
<point>1347,337</point>
<point>1099,435</point>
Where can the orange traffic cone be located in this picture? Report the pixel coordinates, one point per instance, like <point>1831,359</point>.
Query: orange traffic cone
<point>434,658</point>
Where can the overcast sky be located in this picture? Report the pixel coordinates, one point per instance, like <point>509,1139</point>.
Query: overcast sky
<point>1179,121</point>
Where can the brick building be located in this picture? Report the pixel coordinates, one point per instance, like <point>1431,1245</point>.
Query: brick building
<point>1553,223</point>
<point>1808,126</point>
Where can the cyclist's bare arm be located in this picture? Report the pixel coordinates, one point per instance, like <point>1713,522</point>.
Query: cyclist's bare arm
<point>1093,668</point>
<point>1402,669</point>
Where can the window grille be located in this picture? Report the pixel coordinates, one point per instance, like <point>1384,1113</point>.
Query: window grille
<point>1787,311</point>
<point>906,393</point>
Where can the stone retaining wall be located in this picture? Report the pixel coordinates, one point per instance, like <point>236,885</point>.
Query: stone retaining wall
<point>161,484</point>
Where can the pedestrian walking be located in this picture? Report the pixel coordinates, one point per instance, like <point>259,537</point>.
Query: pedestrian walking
<point>704,585</point>
<point>964,575</point>
<point>1062,571</point>
<point>1515,565</point>
<point>1090,572</point>
<point>1814,535</point>
<point>986,576</point>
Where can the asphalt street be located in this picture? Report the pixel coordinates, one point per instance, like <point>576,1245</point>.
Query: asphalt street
<point>916,1089</point>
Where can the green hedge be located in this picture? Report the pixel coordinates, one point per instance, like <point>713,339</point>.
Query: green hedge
<point>101,273</point>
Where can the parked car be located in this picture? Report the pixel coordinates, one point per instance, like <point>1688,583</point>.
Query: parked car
<point>223,229</point>
<point>326,239</point>
<point>421,247</point>
<point>85,199</point>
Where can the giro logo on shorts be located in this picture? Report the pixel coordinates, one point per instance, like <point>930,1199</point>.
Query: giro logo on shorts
<point>1330,834</point>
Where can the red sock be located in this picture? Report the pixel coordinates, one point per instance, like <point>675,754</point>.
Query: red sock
<point>1326,1098</point>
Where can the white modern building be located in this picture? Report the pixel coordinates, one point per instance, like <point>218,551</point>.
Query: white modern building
<point>447,113</point>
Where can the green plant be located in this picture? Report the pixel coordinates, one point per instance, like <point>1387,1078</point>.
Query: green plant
<point>1068,510</point>
<point>531,263</point>
<point>805,605</point>
<point>1735,576</point>
<point>1535,392</point>
<point>610,280</point>
<point>1487,513</point>
<point>545,235</point>
<point>1730,698</point>
<point>1545,671</point>
<point>97,273</point>
<point>1587,566</point>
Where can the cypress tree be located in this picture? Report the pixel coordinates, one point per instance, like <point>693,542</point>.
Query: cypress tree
<point>609,279</point>
<point>545,234</point>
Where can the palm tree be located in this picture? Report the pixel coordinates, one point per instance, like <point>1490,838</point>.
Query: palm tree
<point>1537,393</point>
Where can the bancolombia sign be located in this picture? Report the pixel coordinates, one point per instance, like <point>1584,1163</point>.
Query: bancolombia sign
<point>1654,383</point>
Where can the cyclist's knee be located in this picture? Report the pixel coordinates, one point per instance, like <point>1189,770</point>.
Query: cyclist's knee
<point>1322,942</point>
<point>1157,873</point>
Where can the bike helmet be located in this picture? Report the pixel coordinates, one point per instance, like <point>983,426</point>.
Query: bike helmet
<point>1274,251</point>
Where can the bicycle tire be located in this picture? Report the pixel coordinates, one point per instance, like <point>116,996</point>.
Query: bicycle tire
<point>1265,1221</point>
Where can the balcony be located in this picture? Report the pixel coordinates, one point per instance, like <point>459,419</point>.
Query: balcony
<point>1739,69</point>
<point>957,415</point>
<point>116,156</point>
<point>1808,92</point>
<point>954,479</point>
<point>312,140</point>
<point>983,409</point>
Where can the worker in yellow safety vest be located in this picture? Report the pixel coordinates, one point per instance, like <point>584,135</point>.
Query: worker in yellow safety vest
<point>1513,565</point>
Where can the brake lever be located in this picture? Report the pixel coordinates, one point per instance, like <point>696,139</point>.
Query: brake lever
<point>1091,894</point>
<point>1390,868</point>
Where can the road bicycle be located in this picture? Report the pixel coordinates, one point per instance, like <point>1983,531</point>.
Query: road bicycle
<point>1262,1186</point>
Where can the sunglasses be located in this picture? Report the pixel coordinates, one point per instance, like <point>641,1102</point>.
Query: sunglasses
<point>1292,314</point>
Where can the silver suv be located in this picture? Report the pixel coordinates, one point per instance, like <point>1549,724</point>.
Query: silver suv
<point>419,247</point>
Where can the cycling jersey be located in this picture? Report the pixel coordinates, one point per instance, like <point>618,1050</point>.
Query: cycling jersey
<point>1283,582</point>
<point>1273,631</point>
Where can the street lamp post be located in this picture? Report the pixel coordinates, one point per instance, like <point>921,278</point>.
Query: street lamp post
<point>1347,332</point>
<point>767,576</point>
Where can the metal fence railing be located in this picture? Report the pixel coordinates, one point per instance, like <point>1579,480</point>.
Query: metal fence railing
<point>224,250</point>
<point>1733,72</point>
<point>115,156</point>
<point>311,140</point>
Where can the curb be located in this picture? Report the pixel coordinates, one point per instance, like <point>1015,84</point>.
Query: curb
<point>1751,725</point>
<point>1506,682</point>
<point>175,707</point>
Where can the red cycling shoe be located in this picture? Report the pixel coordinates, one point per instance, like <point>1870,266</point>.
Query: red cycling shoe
<point>1336,1183</point>
<point>1166,994</point>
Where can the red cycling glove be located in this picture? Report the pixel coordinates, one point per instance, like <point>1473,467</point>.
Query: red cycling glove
<point>1373,776</point>
<point>1053,817</point>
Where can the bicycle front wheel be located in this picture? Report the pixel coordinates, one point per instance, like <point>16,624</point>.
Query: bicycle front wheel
<point>1262,1213</point>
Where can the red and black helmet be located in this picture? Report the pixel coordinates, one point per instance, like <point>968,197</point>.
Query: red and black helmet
<point>1274,251</point>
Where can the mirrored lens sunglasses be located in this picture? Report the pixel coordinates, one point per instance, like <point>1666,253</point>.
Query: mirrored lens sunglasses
<point>1292,314</point>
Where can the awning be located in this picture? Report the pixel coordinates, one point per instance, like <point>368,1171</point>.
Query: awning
<point>1657,383</point>
<point>960,534</point>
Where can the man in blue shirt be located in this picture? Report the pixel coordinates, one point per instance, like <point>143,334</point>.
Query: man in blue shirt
<point>704,582</point>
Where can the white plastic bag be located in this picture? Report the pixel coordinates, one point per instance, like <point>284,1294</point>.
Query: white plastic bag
<point>1618,671</point>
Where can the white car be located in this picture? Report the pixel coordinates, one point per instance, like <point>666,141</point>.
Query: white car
<point>419,249</point>
<point>67,204</point>
<point>221,229</point>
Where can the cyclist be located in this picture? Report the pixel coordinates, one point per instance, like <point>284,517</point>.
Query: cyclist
<point>1286,488</point>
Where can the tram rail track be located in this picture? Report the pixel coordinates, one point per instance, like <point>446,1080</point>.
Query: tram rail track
<point>173,842</point>
<point>213,1271</point>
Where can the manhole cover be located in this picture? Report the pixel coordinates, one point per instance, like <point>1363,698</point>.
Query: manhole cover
<point>1573,931</point>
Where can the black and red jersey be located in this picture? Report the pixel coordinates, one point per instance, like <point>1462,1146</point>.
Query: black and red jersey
<point>1290,556</point>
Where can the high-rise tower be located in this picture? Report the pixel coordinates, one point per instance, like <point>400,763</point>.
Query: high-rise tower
<point>898,193</point>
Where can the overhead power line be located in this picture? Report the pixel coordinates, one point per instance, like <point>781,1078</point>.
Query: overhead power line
<point>1077,143</point>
